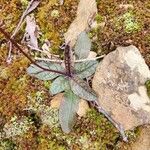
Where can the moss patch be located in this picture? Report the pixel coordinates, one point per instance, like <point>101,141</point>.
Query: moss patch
<point>122,27</point>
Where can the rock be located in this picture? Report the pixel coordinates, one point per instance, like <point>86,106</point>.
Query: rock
<point>83,104</point>
<point>83,108</point>
<point>55,102</point>
<point>119,82</point>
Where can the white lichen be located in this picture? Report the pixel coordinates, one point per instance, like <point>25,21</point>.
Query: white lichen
<point>55,13</point>
<point>140,100</point>
<point>16,127</point>
<point>134,60</point>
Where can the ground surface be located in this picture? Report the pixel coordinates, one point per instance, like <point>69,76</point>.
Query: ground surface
<point>119,25</point>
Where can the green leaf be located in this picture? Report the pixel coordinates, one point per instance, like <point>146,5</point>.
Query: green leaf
<point>44,75</point>
<point>82,89</point>
<point>85,69</point>
<point>67,111</point>
<point>59,85</point>
<point>83,46</point>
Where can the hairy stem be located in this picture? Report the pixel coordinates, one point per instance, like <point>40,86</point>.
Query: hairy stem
<point>68,60</point>
<point>26,55</point>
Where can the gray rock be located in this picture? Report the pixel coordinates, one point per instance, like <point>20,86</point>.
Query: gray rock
<point>119,82</point>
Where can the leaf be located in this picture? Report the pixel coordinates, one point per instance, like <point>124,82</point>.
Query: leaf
<point>44,75</point>
<point>67,111</point>
<point>32,5</point>
<point>82,46</point>
<point>82,89</point>
<point>85,69</point>
<point>59,85</point>
<point>30,36</point>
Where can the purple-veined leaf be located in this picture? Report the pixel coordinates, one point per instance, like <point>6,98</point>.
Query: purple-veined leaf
<point>82,89</point>
<point>60,84</point>
<point>82,46</point>
<point>42,74</point>
<point>85,69</point>
<point>67,111</point>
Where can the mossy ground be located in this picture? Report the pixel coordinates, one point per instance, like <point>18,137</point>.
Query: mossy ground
<point>123,26</point>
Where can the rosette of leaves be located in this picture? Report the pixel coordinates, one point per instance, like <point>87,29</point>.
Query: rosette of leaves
<point>71,82</point>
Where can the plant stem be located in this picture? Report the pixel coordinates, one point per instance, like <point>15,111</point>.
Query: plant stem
<point>61,61</point>
<point>68,60</point>
<point>26,55</point>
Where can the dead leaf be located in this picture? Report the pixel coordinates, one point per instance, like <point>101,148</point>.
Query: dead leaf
<point>61,2</point>
<point>45,47</point>
<point>30,37</point>
<point>85,15</point>
<point>31,6</point>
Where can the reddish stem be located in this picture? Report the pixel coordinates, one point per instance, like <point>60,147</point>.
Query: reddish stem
<point>26,55</point>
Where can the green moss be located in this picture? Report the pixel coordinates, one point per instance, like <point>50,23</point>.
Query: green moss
<point>17,126</point>
<point>4,73</point>
<point>94,131</point>
<point>91,132</point>
<point>46,144</point>
<point>53,24</point>
<point>132,136</point>
<point>99,18</point>
<point>7,145</point>
<point>24,2</point>
<point>130,23</point>
<point>147,84</point>
<point>19,84</point>
<point>10,14</point>
<point>47,84</point>
<point>55,13</point>
<point>35,100</point>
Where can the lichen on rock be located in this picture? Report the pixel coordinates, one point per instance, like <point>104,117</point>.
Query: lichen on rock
<point>120,84</point>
